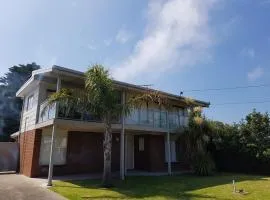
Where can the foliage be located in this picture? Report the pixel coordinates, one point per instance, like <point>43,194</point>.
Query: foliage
<point>243,147</point>
<point>10,106</point>
<point>99,98</point>
<point>195,140</point>
<point>186,187</point>
<point>254,135</point>
<point>203,164</point>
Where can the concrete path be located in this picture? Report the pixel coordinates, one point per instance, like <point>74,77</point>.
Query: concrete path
<point>19,187</point>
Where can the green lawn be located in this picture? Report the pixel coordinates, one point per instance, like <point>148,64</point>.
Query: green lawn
<point>176,187</point>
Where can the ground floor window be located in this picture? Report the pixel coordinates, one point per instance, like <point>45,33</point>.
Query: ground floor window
<point>174,152</point>
<point>60,149</point>
<point>141,144</point>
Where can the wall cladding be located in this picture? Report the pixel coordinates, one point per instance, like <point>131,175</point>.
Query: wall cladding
<point>85,154</point>
<point>153,157</point>
<point>29,116</point>
<point>29,152</point>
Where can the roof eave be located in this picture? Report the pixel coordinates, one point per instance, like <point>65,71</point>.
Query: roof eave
<point>14,135</point>
<point>175,97</point>
<point>79,74</point>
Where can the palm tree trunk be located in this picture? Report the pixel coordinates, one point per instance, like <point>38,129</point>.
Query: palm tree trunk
<point>107,148</point>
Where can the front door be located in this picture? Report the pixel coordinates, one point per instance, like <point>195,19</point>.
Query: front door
<point>129,152</point>
<point>142,159</point>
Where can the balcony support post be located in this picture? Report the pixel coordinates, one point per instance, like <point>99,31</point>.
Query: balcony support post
<point>169,153</point>
<point>168,145</point>
<point>58,88</point>
<point>122,141</point>
<point>50,173</point>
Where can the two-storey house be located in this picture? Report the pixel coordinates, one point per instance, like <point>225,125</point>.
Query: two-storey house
<point>146,140</point>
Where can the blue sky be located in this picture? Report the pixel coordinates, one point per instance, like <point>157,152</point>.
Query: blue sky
<point>175,45</point>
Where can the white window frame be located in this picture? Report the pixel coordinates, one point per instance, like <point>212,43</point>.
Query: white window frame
<point>141,143</point>
<point>30,102</point>
<point>173,151</point>
<point>60,150</point>
<point>26,124</point>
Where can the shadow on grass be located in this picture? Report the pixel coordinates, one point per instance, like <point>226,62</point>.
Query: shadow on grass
<point>185,196</point>
<point>175,187</point>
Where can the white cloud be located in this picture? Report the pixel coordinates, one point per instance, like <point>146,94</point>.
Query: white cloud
<point>177,35</point>
<point>107,42</point>
<point>228,27</point>
<point>265,2</point>
<point>255,74</point>
<point>73,3</point>
<point>123,36</point>
<point>91,47</point>
<point>250,52</point>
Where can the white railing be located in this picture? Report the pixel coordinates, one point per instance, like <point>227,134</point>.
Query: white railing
<point>157,118</point>
<point>46,112</point>
<point>144,117</point>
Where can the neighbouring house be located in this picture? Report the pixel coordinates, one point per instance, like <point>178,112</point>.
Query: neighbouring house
<point>150,138</point>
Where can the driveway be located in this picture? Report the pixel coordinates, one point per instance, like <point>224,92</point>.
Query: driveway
<point>19,187</point>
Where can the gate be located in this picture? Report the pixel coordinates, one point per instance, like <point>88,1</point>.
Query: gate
<point>9,155</point>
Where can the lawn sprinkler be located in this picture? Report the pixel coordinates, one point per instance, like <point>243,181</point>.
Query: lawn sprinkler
<point>234,186</point>
<point>240,191</point>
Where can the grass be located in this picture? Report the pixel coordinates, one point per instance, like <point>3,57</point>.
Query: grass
<point>164,187</point>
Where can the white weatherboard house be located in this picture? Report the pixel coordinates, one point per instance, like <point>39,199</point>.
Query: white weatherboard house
<point>146,140</point>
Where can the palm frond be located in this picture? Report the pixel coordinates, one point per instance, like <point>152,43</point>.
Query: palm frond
<point>70,100</point>
<point>138,99</point>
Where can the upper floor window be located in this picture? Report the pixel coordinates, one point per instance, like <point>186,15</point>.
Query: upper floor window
<point>29,103</point>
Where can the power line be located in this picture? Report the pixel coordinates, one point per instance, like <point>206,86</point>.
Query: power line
<point>237,103</point>
<point>228,88</point>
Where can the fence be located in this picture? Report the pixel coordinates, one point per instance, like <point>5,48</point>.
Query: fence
<point>9,155</point>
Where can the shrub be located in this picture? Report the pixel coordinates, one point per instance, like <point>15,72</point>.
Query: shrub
<point>202,164</point>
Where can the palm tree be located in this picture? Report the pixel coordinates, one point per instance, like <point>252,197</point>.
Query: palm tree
<point>102,99</point>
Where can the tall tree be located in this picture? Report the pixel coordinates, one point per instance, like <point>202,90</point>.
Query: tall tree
<point>254,135</point>
<point>244,146</point>
<point>102,99</point>
<point>10,106</point>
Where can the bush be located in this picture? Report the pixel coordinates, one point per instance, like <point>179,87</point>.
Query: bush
<point>202,164</point>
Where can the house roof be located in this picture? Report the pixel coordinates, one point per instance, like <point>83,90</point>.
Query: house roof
<point>62,71</point>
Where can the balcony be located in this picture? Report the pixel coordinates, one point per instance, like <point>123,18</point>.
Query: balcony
<point>157,119</point>
<point>46,112</point>
<point>152,118</point>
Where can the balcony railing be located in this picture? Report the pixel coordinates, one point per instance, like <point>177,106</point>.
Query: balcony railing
<point>46,112</point>
<point>143,117</point>
<point>157,119</point>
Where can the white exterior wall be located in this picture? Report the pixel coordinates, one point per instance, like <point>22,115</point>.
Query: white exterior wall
<point>29,116</point>
<point>43,91</point>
